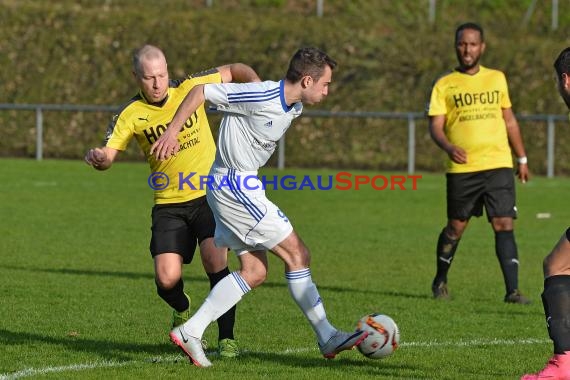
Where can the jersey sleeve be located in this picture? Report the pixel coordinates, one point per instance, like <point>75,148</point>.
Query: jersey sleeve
<point>241,98</point>
<point>118,133</point>
<point>436,102</point>
<point>505,98</point>
<point>206,76</point>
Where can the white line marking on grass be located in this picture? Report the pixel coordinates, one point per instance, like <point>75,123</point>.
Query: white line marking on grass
<point>74,367</point>
<point>476,342</point>
<point>173,358</point>
<point>79,367</point>
<point>466,343</point>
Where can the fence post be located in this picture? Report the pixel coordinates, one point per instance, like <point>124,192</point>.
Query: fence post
<point>281,154</point>
<point>554,24</point>
<point>39,134</point>
<point>529,12</point>
<point>431,11</point>
<point>320,7</point>
<point>411,143</point>
<point>550,147</point>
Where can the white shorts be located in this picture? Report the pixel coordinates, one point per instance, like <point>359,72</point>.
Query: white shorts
<point>246,220</point>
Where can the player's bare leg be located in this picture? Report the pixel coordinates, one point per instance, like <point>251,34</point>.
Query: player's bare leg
<point>170,286</point>
<point>557,263</point>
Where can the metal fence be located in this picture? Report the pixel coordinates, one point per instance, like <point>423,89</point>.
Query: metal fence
<point>409,117</point>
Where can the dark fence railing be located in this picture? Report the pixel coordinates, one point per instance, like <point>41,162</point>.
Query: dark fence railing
<point>409,117</point>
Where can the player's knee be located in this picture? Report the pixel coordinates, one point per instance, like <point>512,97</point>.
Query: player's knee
<point>255,277</point>
<point>168,270</point>
<point>167,280</point>
<point>454,231</point>
<point>502,224</point>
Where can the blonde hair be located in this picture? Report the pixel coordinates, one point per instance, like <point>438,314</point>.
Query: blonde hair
<point>143,53</point>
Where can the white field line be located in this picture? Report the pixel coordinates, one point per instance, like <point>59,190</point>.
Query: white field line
<point>173,358</point>
<point>466,343</point>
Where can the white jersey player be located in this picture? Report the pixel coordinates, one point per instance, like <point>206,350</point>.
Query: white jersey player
<point>256,115</point>
<point>257,118</point>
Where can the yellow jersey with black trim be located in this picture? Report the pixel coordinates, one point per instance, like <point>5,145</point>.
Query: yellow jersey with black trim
<point>473,108</point>
<point>177,179</point>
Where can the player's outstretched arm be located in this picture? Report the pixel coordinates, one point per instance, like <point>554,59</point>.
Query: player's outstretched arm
<point>516,142</point>
<point>167,144</point>
<point>101,158</point>
<point>238,72</point>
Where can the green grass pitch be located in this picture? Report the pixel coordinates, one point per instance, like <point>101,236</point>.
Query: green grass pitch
<point>78,297</point>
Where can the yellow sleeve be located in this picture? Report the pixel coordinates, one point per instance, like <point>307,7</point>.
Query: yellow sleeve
<point>437,105</point>
<point>505,99</point>
<point>119,133</point>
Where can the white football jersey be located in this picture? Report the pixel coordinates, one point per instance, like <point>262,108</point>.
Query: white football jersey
<point>255,118</point>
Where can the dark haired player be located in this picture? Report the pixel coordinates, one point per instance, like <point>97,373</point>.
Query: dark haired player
<point>470,118</point>
<point>556,266</point>
<point>256,116</point>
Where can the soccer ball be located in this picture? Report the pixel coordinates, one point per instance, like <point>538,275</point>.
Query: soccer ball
<point>383,336</point>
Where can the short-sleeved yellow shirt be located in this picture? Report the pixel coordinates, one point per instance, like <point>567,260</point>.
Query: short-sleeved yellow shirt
<point>146,122</point>
<point>473,108</point>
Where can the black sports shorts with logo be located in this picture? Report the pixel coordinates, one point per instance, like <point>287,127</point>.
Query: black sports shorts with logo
<point>179,227</point>
<point>467,193</point>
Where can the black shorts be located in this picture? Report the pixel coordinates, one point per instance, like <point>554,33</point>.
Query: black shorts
<point>179,227</point>
<point>468,192</point>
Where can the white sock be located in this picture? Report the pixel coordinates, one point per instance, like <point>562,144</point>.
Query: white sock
<point>222,298</point>
<point>306,294</point>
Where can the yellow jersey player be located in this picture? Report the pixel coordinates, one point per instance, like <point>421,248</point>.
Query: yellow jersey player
<point>181,218</point>
<point>471,119</point>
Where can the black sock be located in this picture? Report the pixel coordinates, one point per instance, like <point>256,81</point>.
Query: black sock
<point>226,321</point>
<point>445,251</point>
<point>175,297</point>
<point>556,302</point>
<point>506,250</point>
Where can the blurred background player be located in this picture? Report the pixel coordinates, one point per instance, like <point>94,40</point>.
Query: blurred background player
<point>181,218</point>
<point>256,116</point>
<point>471,119</point>
<point>556,266</point>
